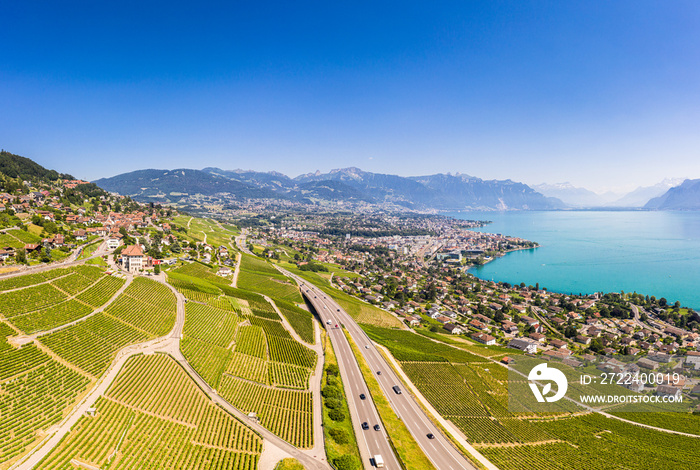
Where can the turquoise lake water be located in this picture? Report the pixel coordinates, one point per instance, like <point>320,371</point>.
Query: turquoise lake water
<point>654,253</point>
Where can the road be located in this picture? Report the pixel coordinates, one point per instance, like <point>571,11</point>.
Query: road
<point>439,450</point>
<point>638,320</point>
<point>69,261</point>
<point>370,442</point>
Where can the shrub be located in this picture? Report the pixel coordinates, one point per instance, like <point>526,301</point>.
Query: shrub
<point>336,415</point>
<point>339,435</point>
<point>333,403</point>
<point>331,391</point>
<point>346,462</point>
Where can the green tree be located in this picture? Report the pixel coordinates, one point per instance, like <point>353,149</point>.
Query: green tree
<point>336,415</point>
<point>346,462</point>
<point>340,436</point>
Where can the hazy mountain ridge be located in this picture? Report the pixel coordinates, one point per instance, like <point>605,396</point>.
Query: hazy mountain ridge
<point>570,194</point>
<point>683,197</point>
<point>585,198</point>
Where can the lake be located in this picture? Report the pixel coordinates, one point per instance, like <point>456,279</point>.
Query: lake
<point>654,253</point>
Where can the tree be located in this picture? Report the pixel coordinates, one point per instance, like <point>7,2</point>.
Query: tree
<point>333,403</point>
<point>21,256</point>
<point>346,462</point>
<point>339,435</point>
<point>156,269</point>
<point>336,415</point>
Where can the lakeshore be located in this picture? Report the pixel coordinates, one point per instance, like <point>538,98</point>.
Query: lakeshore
<point>655,253</point>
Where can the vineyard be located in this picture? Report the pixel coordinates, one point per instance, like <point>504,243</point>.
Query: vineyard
<point>91,344</point>
<point>244,348</point>
<point>34,400</point>
<point>154,417</point>
<point>472,393</point>
<point>49,301</point>
<point>147,305</point>
<point>287,413</point>
<point>301,320</point>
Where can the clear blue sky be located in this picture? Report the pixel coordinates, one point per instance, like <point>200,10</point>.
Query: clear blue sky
<point>602,94</point>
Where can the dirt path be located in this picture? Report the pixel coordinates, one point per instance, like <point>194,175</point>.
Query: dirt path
<point>239,258</point>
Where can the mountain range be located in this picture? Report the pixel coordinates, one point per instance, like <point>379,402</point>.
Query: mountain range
<point>444,192</point>
<point>683,197</point>
<point>584,198</point>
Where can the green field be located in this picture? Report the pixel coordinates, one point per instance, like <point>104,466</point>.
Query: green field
<point>260,276</point>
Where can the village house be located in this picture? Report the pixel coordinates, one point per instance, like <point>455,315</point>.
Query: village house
<point>483,338</point>
<point>132,258</point>
<point>523,345</point>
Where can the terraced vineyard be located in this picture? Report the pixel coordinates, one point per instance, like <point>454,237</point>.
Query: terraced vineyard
<point>91,344</point>
<point>472,393</point>
<point>154,417</point>
<point>147,305</point>
<point>301,320</point>
<point>35,392</point>
<point>287,413</point>
<point>56,299</point>
<point>245,349</point>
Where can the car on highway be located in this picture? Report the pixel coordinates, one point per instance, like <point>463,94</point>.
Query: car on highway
<point>362,396</point>
<point>339,310</point>
<point>365,425</point>
<point>431,435</point>
<point>379,372</point>
<point>336,325</point>
<point>396,389</point>
<point>376,427</point>
<point>366,346</point>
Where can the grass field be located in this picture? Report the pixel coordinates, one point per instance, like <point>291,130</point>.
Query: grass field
<point>360,311</point>
<point>260,276</point>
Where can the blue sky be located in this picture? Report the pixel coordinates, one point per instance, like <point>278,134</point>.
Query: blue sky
<point>603,94</point>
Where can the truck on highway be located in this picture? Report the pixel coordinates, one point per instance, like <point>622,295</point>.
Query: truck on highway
<point>378,461</point>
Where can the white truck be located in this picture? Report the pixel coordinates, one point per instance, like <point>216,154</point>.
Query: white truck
<point>378,461</point>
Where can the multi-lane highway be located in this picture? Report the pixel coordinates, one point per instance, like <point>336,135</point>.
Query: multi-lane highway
<point>372,441</point>
<point>437,448</point>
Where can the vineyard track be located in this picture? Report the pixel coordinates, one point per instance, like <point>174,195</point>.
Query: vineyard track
<point>234,281</point>
<point>70,261</point>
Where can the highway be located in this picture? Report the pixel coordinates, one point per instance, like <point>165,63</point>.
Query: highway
<point>439,449</point>
<point>371,442</point>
